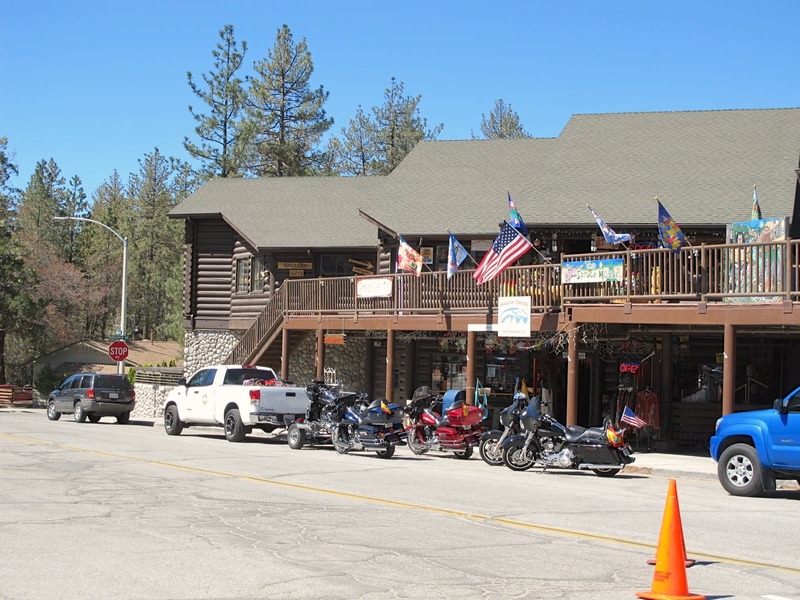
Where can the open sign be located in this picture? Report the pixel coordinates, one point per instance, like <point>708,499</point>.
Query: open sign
<point>630,367</point>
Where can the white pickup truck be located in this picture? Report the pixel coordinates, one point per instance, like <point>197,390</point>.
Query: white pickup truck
<point>236,397</point>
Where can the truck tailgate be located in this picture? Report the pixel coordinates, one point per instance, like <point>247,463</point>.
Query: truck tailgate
<point>283,400</point>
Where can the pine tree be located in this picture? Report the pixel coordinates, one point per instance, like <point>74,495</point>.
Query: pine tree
<point>287,116</point>
<point>502,123</point>
<point>356,152</point>
<point>43,199</point>
<point>74,205</point>
<point>223,131</point>
<point>155,247</point>
<point>16,306</point>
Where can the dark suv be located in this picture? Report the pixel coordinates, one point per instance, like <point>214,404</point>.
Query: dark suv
<point>92,396</point>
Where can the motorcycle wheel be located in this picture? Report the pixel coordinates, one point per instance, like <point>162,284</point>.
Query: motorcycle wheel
<point>517,458</point>
<point>491,452</point>
<point>340,442</point>
<point>464,454</point>
<point>414,443</point>
<point>387,452</point>
<point>606,472</point>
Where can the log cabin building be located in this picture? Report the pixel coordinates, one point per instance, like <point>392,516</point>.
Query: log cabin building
<point>300,273</point>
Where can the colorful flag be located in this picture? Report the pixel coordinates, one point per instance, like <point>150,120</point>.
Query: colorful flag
<point>408,259</point>
<point>756,214</point>
<point>514,217</point>
<point>509,246</point>
<point>609,234</point>
<point>385,408</point>
<point>671,235</point>
<point>456,255</point>
<point>629,417</point>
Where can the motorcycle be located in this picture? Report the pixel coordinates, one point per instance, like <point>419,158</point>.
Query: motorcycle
<point>491,446</point>
<point>376,425</point>
<point>327,404</point>
<point>548,443</point>
<point>459,431</point>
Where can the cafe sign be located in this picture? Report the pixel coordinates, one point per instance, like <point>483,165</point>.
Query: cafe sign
<point>373,287</point>
<point>592,271</point>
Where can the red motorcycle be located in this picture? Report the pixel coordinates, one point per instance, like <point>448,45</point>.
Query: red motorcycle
<point>458,431</point>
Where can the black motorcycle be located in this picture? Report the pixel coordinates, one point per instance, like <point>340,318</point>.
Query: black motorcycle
<point>327,404</point>
<point>376,425</point>
<point>548,443</point>
<point>491,446</point>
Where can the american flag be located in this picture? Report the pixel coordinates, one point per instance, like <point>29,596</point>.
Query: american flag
<point>508,248</point>
<point>629,417</point>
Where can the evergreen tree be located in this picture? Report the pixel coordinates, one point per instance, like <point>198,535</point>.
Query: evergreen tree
<point>502,123</point>
<point>103,252</point>
<point>156,246</point>
<point>376,144</point>
<point>356,152</point>
<point>287,116</point>
<point>16,280</point>
<point>74,205</point>
<point>222,131</point>
<point>43,199</point>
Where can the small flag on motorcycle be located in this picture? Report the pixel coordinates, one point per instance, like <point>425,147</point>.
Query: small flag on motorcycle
<point>629,418</point>
<point>385,408</point>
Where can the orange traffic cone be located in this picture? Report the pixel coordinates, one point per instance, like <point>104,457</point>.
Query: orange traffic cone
<point>669,579</point>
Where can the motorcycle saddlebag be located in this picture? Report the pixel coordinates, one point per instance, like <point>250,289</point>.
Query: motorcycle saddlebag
<point>596,453</point>
<point>450,438</point>
<point>458,417</point>
<point>378,416</point>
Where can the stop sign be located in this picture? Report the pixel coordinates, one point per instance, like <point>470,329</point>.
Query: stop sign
<point>118,350</point>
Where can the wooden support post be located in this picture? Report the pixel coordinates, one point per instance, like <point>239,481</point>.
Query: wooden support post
<point>285,354</point>
<point>572,375</point>
<point>729,370</point>
<point>666,382</point>
<point>472,342</point>
<point>320,358</point>
<point>389,365</point>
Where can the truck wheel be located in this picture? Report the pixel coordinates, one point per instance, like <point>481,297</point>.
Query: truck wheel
<point>234,429</point>
<point>93,418</point>
<point>172,423</point>
<point>52,413</point>
<point>79,415</point>
<point>740,471</point>
<point>295,437</point>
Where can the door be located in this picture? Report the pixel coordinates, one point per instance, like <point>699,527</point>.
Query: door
<point>64,394</point>
<point>199,401</point>
<point>784,434</point>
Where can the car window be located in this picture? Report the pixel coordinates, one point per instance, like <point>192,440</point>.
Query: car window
<point>68,382</point>
<point>202,378</point>
<point>85,382</point>
<point>75,383</point>
<point>116,382</point>
<point>793,404</point>
<point>239,376</point>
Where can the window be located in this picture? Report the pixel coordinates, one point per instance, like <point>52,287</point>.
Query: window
<point>202,378</point>
<point>241,275</point>
<point>257,274</point>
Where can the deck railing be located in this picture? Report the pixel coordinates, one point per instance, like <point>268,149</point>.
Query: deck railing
<point>762,272</point>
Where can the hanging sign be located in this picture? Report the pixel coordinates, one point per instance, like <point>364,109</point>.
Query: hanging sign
<point>592,271</point>
<point>334,339</point>
<point>514,316</point>
<point>373,287</point>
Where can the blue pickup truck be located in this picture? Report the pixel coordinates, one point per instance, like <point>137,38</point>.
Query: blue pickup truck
<point>755,448</point>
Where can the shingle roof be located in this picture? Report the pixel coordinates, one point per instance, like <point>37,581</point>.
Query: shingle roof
<point>701,164</point>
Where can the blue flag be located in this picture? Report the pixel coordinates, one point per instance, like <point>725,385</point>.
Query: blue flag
<point>609,234</point>
<point>514,217</point>
<point>671,235</point>
<point>455,256</point>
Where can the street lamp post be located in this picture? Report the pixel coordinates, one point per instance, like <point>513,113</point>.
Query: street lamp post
<point>124,294</point>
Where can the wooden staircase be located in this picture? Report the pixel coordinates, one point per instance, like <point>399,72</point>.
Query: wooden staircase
<point>262,334</point>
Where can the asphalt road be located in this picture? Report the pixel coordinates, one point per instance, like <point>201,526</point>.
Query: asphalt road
<point>126,512</point>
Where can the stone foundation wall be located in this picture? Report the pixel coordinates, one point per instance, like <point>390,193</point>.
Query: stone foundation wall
<point>348,361</point>
<point>204,347</point>
<point>149,398</point>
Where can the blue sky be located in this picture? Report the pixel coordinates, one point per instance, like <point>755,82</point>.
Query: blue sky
<point>97,85</point>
